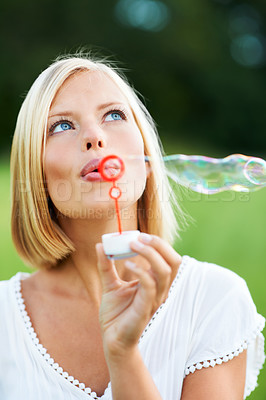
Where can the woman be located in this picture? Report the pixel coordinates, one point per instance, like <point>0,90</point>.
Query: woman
<point>82,326</point>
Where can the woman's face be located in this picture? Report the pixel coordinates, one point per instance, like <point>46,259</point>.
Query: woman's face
<point>90,119</point>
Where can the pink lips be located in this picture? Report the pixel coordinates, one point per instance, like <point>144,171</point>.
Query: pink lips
<point>88,174</point>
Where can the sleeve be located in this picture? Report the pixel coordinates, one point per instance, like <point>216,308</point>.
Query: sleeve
<point>228,323</point>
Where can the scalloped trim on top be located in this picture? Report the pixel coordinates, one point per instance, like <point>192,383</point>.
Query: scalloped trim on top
<point>216,361</point>
<point>179,273</point>
<point>251,384</point>
<point>42,350</point>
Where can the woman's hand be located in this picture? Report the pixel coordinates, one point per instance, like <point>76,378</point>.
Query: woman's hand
<point>127,307</point>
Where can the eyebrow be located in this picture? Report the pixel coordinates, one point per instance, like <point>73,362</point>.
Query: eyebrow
<point>99,108</point>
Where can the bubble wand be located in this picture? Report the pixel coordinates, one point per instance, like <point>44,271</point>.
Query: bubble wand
<point>111,172</point>
<point>116,245</point>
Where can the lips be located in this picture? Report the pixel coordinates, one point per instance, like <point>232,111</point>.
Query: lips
<point>90,166</point>
<point>90,171</point>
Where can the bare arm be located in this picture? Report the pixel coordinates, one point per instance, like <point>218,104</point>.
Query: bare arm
<point>130,378</point>
<point>222,382</point>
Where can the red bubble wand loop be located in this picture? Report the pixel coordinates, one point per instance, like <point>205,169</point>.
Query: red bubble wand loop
<point>116,245</point>
<point>111,169</point>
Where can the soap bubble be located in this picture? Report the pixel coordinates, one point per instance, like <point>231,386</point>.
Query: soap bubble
<point>209,175</point>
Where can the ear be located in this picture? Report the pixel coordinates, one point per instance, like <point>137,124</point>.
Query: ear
<point>148,168</point>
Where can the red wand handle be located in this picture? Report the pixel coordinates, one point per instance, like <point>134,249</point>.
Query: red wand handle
<point>111,169</point>
<point>115,193</point>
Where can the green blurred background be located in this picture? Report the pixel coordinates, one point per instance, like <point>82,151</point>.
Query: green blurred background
<point>201,69</point>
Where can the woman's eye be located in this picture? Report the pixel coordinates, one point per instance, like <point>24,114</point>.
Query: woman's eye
<point>63,126</point>
<point>114,116</point>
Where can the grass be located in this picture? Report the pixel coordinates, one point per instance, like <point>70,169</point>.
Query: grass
<point>229,229</point>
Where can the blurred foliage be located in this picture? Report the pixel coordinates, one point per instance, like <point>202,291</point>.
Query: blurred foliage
<point>201,70</point>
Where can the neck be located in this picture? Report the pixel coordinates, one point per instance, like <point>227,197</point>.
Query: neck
<point>78,274</point>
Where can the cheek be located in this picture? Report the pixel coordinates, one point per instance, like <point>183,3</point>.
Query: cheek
<point>134,180</point>
<point>138,143</point>
<point>129,141</point>
<point>57,167</point>
<point>133,183</point>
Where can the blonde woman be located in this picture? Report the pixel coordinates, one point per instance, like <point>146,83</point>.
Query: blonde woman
<point>155,326</point>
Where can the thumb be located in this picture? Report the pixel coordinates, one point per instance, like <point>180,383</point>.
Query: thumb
<point>106,267</point>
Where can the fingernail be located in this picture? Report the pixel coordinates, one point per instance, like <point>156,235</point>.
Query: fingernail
<point>145,237</point>
<point>136,245</point>
<point>130,264</point>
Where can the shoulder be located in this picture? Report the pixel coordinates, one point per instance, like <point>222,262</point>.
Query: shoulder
<point>4,288</point>
<point>217,299</point>
<point>5,284</point>
<point>210,283</point>
<point>9,301</point>
<point>211,274</point>
<point>7,308</point>
<point>8,289</point>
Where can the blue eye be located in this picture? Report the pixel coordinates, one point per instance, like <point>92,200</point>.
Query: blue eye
<point>113,116</point>
<point>64,126</point>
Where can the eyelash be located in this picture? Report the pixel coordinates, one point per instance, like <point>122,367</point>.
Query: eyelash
<point>61,120</point>
<point>121,112</point>
<point>58,122</point>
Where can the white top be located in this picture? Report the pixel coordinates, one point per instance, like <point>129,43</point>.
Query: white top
<point>208,318</point>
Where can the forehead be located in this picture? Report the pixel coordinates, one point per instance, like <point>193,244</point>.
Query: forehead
<point>96,86</point>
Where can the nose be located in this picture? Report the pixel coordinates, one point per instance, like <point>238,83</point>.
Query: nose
<point>93,139</point>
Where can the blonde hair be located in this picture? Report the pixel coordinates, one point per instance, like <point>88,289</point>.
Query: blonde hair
<point>37,236</point>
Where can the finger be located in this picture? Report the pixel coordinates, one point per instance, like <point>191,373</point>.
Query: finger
<point>147,284</point>
<point>108,274</point>
<point>169,254</point>
<point>160,269</point>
